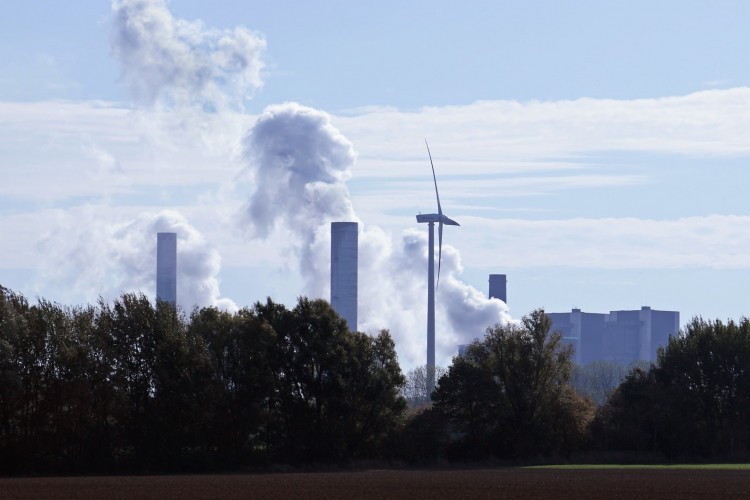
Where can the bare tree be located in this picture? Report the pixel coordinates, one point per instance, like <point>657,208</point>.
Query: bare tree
<point>416,389</point>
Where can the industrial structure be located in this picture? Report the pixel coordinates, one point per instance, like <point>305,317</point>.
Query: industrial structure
<point>622,336</point>
<point>344,264</point>
<point>498,290</point>
<point>166,267</point>
<point>431,219</point>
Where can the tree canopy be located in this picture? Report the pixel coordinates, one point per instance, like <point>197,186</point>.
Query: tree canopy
<point>136,387</point>
<point>131,386</point>
<point>510,395</point>
<point>694,401</point>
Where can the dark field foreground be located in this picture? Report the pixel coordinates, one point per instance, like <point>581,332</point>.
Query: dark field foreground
<point>486,483</point>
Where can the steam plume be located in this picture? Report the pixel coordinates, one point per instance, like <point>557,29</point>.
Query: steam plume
<point>88,254</point>
<point>176,62</point>
<point>300,163</point>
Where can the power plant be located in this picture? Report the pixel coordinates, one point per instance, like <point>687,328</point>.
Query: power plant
<point>344,265</point>
<point>498,283</point>
<point>431,219</point>
<point>166,267</point>
<point>622,336</point>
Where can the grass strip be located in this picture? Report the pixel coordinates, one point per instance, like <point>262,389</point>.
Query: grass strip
<point>644,466</point>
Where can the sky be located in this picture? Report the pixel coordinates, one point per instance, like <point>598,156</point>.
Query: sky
<point>594,152</point>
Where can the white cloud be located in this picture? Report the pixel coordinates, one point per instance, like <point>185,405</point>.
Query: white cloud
<point>56,151</point>
<point>714,122</point>
<point>715,241</point>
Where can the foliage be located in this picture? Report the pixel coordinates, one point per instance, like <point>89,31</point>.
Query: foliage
<point>130,386</point>
<point>694,401</point>
<point>510,396</point>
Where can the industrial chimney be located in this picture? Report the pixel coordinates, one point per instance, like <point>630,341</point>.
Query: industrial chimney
<point>166,267</point>
<point>344,258</point>
<point>497,287</point>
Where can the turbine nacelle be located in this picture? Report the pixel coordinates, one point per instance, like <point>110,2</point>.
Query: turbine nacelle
<point>422,218</point>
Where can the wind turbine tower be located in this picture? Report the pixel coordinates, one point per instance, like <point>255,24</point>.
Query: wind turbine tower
<point>441,220</point>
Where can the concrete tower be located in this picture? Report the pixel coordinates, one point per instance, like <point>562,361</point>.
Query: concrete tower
<point>166,267</point>
<point>344,262</point>
<point>498,287</point>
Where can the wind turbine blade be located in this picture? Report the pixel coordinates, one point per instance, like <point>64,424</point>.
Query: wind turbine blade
<point>440,210</point>
<point>440,251</point>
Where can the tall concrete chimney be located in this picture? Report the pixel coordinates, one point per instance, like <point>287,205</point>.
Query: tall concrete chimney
<point>166,267</point>
<point>344,262</point>
<point>497,287</point>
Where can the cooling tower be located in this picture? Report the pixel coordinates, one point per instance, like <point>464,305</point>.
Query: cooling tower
<point>166,267</point>
<point>497,287</point>
<point>344,255</point>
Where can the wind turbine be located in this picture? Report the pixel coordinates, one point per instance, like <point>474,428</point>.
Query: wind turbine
<point>441,220</point>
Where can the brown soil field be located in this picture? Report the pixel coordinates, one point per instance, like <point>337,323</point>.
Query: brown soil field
<point>480,483</point>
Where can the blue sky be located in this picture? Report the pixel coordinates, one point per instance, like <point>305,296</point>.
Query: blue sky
<point>596,152</point>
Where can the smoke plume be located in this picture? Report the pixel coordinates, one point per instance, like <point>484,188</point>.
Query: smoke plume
<point>171,61</point>
<point>90,254</point>
<point>300,163</point>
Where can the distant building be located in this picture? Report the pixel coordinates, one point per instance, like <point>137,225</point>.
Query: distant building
<point>166,267</point>
<point>623,336</point>
<point>344,263</point>
<point>498,288</point>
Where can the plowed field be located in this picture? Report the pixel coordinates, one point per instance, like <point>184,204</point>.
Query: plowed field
<point>486,483</point>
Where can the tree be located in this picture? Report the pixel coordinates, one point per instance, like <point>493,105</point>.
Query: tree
<point>371,403</point>
<point>599,379</point>
<point>338,391</point>
<point>632,418</point>
<point>694,401</point>
<point>416,390</point>
<point>132,386</point>
<point>243,350</point>
<point>707,371</point>
<point>13,397</point>
<point>511,392</point>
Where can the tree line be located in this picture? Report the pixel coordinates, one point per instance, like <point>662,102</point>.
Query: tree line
<point>130,386</point>
<point>136,387</point>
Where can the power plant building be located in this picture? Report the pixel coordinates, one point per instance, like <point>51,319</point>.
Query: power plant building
<point>622,336</point>
<point>166,267</point>
<point>498,287</point>
<point>344,263</point>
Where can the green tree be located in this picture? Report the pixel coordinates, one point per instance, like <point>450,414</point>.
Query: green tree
<point>338,391</point>
<point>633,417</point>
<point>707,371</point>
<point>13,392</point>
<point>511,391</point>
<point>242,349</point>
<point>694,401</point>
